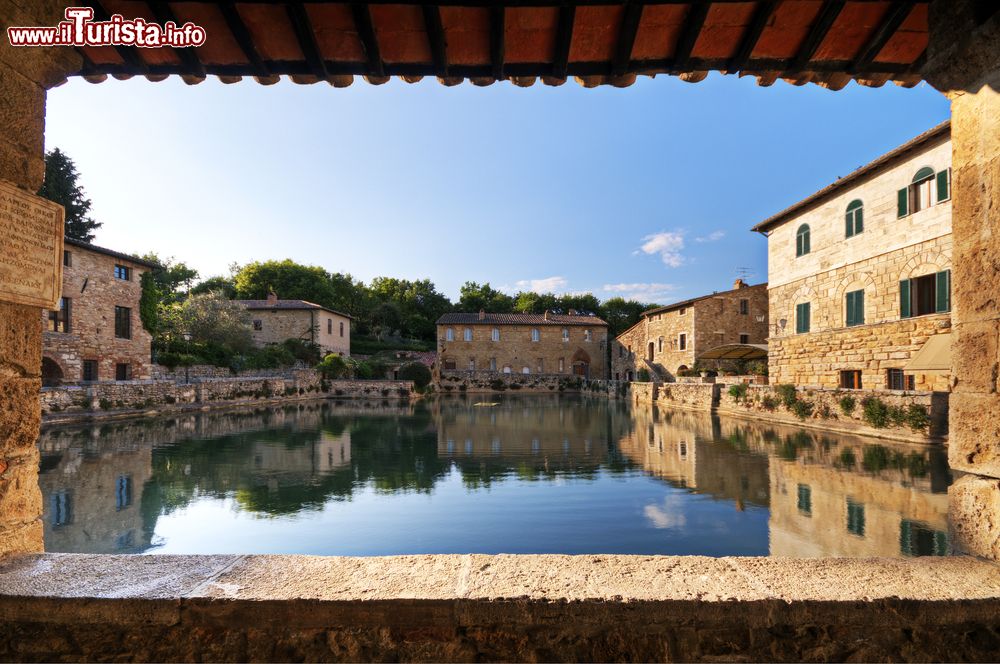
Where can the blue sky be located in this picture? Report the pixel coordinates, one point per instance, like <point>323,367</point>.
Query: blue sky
<point>646,192</point>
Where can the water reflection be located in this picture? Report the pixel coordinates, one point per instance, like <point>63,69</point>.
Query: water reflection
<point>532,474</point>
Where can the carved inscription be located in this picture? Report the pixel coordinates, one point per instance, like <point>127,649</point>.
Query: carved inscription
<point>31,248</point>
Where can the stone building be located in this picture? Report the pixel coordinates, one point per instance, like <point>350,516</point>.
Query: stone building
<point>276,320</point>
<point>671,339</point>
<point>96,335</point>
<point>546,343</point>
<point>860,275</point>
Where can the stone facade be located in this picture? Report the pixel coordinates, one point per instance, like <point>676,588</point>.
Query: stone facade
<point>275,320</point>
<point>524,344</point>
<point>672,338</point>
<point>100,323</point>
<point>889,250</point>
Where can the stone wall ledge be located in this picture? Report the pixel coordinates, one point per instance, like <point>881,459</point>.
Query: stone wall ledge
<point>503,607</point>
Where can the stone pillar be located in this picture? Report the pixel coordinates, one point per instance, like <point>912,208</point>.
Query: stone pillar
<point>964,63</point>
<point>25,74</point>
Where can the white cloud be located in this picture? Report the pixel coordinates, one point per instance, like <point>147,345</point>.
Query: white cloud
<point>546,285</point>
<point>711,237</point>
<point>667,244</point>
<point>646,292</point>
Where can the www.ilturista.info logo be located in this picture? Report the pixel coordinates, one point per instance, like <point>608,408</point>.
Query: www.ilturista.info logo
<point>79,29</point>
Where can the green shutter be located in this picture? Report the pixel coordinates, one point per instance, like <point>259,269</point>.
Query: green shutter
<point>859,302</point>
<point>849,224</point>
<point>807,311</point>
<point>859,220</point>
<point>904,298</point>
<point>943,296</point>
<point>942,186</point>
<point>802,318</point>
<point>902,202</point>
<point>850,309</point>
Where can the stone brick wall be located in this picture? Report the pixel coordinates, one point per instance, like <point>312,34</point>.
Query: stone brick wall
<point>517,351</point>
<point>89,283</point>
<point>694,396</point>
<point>653,343</point>
<point>826,412</point>
<point>202,371</point>
<point>277,325</point>
<point>456,382</point>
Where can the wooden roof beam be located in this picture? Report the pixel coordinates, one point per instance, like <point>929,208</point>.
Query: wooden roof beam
<point>243,38</point>
<point>894,18</point>
<point>689,33</point>
<point>306,38</point>
<point>564,39</point>
<point>163,14</point>
<point>626,38</point>
<point>366,30</point>
<point>761,17</point>
<point>498,23</point>
<point>436,39</point>
<point>828,13</point>
<point>129,54</point>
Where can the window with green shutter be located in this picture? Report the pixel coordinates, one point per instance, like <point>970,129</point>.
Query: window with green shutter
<point>802,240</point>
<point>926,294</point>
<point>855,305</point>
<point>944,185</point>
<point>903,202</point>
<point>904,299</point>
<point>854,220</point>
<point>943,292</point>
<point>802,312</point>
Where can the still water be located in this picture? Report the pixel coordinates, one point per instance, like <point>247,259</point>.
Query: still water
<point>533,474</point>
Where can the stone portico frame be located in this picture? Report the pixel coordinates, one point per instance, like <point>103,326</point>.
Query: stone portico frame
<point>962,61</point>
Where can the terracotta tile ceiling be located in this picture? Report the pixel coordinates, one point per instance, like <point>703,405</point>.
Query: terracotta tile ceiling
<point>828,42</point>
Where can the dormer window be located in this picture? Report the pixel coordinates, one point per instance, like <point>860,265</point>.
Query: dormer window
<point>855,223</point>
<point>802,240</point>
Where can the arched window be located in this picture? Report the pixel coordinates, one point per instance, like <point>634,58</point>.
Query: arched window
<point>925,173</point>
<point>855,218</point>
<point>919,195</point>
<point>802,240</point>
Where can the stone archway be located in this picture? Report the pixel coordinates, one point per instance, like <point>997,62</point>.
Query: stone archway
<point>52,373</point>
<point>581,363</point>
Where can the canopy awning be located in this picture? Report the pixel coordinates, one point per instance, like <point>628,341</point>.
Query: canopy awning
<point>935,356</point>
<point>736,352</point>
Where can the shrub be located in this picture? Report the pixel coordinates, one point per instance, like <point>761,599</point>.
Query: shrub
<point>332,366</point>
<point>271,356</point>
<point>847,405</point>
<point>802,409</point>
<point>417,372</point>
<point>769,402</point>
<point>738,391</point>
<point>498,385</point>
<point>105,404</point>
<point>302,350</point>
<point>787,394</point>
<point>917,417</point>
<point>642,376</point>
<point>875,412</point>
<point>757,367</point>
<point>897,416</point>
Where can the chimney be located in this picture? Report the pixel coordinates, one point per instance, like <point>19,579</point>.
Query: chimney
<point>546,314</point>
<point>572,312</point>
<point>272,297</point>
<point>739,283</point>
<point>482,314</point>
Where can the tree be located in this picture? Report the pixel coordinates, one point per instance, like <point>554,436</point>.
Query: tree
<point>473,298</point>
<point>61,186</point>
<point>223,285</point>
<point>418,302</point>
<point>417,372</point>
<point>173,278</point>
<point>212,318</point>
<point>622,314</point>
<point>288,279</point>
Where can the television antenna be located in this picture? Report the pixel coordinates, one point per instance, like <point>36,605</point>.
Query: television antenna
<point>744,273</point>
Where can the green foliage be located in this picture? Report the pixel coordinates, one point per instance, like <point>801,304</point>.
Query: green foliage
<point>61,186</point>
<point>173,278</point>
<point>333,366</point>
<point>642,376</point>
<point>303,351</point>
<point>474,297</point>
<point>787,394</point>
<point>756,367</point>
<point>802,408</point>
<point>212,319</point>
<point>105,404</point>
<point>917,417</point>
<point>271,356</point>
<point>149,303</point>
<point>847,404</point>
<point>769,403</point>
<point>875,412</point>
<point>366,345</point>
<point>739,391</point>
<point>417,372</point>
<point>222,284</point>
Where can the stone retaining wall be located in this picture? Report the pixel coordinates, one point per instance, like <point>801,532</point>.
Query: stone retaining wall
<point>452,382</point>
<point>203,371</point>
<point>115,398</point>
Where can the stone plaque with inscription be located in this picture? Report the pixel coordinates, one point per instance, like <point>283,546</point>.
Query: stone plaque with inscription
<point>31,248</point>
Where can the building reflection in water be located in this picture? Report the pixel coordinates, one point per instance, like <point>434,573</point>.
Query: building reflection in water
<point>105,487</point>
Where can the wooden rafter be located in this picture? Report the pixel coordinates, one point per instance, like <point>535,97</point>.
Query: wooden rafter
<point>761,17</point>
<point>306,38</point>
<point>498,24</point>
<point>366,30</point>
<point>127,53</point>
<point>546,3</point>
<point>890,23</point>
<point>564,39</point>
<point>689,33</point>
<point>631,17</point>
<point>436,38</point>
<point>243,38</point>
<point>163,14</point>
<point>828,13</point>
